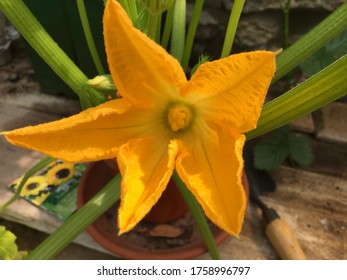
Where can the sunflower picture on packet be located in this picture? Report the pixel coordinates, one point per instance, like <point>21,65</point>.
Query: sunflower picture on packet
<point>53,188</point>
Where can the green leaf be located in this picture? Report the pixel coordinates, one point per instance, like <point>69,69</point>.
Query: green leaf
<point>338,45</point>
<point>202,59</point>
<point>316,62</point>
<point>272,152</point>
<point>282,144</point>
<point>300,150</point>
<point>326,55</point>
<point>8,247</point>
<point>21,255</point>
<point>301,50</point>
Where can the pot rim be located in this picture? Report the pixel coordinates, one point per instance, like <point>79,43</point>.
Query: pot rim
<point>119,246</point>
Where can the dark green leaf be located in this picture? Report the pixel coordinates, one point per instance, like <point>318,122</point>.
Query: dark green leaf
<point>202,59</point>
<point>282,144</point>
<point>272,152</point>
<point>326,55</point>
<point>300,149</point>
<point>315,63</point>
<point>338,46</point>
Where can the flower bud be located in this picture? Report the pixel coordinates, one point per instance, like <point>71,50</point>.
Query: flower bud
<point>104,84</point>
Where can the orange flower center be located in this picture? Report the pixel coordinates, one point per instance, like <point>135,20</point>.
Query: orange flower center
<point>179,117</point>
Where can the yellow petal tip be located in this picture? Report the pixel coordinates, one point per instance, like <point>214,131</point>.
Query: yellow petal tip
<point>279,51</point>
<point>238,237</point>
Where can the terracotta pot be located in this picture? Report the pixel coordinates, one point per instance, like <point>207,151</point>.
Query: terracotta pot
<point>104,231</point>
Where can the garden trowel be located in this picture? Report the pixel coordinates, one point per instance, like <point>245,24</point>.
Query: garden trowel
<point>277,230</point>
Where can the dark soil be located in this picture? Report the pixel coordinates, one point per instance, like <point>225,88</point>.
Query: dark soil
<point>164,236</point>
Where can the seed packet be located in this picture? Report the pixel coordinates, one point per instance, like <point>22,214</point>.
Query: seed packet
<point>54,188</point>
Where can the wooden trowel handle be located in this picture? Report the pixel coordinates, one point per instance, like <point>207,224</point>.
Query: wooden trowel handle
<point>284,241</point>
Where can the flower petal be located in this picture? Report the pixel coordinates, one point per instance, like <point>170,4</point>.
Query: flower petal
<point>91,135</point>
<point>232,90</point>
<point>146,166</point>
<point>142,70</point>
<point>210,163</point>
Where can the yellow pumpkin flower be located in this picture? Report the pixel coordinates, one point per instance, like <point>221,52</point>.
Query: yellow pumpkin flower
<point>164,122</point>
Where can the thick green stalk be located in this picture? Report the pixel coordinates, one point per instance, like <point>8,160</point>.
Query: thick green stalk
<point>296,54</point>
<point>21,17</point>
<point>89,37</point>
<point>191,32</point>
<point>321,89</point>
<point>199,217</point>
<point>167,28</point>
<point>78,222</point>
<point>178,29</point>
<point>232,26</point>
<point>38,166</point>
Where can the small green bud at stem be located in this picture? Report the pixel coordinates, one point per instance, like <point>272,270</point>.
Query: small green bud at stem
<point>104,84</point>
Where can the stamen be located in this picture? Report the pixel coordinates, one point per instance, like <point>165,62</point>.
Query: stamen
<point>179,117</point>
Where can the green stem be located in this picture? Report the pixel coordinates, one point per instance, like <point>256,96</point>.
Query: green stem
<point>78,222</point>
<point>191,33</point>
<point>125,5</point>
<point>33,32</point>
<point>232,26</point>
<point>178,29</point>
<point>297,53</point>
<point>286,10</point>
<point>321,89</point>
<point>133,12</point>
<point>89,37</point>
<point>167,28</point>
<point>152,26</point>
<point>157,34</point>
<point>199,217</point>
<point>38,166</point>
